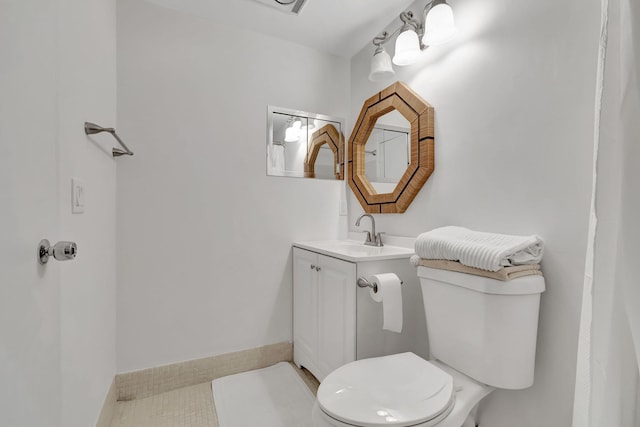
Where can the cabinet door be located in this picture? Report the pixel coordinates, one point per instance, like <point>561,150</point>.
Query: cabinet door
<point>337,314</point>
<point>305,309</point>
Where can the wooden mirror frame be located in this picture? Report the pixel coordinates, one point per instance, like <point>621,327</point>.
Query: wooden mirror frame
<point>419,113</point>
<point>331,136</point>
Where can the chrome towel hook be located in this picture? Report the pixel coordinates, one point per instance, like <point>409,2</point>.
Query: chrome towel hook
<point>92,128</point>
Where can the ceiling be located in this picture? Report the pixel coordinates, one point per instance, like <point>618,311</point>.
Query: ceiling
<point>340,27</point>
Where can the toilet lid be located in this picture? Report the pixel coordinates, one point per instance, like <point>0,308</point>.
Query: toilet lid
<point>397,390</point>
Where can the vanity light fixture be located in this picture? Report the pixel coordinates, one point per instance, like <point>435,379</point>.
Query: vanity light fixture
<point>381,67</point>
<point>437,26</point>
<point>407,43</point>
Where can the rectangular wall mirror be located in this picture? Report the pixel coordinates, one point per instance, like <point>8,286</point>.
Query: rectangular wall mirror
<point>304,145</point>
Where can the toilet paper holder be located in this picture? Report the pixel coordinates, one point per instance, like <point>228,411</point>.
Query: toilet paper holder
<point>364,283</point>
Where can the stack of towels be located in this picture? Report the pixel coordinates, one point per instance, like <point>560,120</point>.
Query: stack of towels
<point>497,256</point>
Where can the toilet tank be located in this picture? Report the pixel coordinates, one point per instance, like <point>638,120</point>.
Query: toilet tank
<point>484,328</point>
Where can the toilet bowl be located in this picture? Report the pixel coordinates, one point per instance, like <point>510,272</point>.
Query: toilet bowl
<point>397,390</point>
<point>482,335</point>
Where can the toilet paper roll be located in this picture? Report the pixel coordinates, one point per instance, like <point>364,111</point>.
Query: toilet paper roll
<point>390,294</point>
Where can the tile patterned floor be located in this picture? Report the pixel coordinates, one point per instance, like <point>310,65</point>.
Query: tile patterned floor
<point>185,407</point>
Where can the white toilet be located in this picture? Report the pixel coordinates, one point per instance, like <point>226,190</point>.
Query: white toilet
<point>482,336</point>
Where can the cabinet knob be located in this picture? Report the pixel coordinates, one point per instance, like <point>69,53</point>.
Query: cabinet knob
<point>313,266</point>
<point>318,268</point>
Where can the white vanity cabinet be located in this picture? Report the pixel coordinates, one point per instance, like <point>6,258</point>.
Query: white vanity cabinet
<point>336,322</point>
<point>324,312</point>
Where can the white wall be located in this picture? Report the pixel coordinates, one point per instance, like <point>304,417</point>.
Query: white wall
<point>57,322</point>
<point>513,98</point>
<point>204,236</point>
<point>87,92</point>
<point>29,293</point>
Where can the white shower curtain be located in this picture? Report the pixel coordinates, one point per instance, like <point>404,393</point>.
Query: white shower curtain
<point>275,160</point>
<point>607,377</point>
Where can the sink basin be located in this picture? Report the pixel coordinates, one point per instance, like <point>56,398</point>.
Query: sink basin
<point>354,251</point>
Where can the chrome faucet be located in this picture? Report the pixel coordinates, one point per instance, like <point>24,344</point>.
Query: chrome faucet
<point>373,239</point>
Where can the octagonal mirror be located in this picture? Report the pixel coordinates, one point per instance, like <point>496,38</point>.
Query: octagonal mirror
<point>391,150</point>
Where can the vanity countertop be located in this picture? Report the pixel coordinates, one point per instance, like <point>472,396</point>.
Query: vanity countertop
<point>356,250</point>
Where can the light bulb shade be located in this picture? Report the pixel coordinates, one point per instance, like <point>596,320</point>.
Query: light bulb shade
<point>407,48</point>
<point>439,26</point>
<point>292,134</point>
<point>381,67</point>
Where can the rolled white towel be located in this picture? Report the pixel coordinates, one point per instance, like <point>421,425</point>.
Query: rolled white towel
<point>487,251</point>
<point>415,260</point>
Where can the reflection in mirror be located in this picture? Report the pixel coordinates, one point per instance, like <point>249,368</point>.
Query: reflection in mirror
<point>387,151</point>
<point>290,139</point>
<point>324,166</point>
<point>326,154</point>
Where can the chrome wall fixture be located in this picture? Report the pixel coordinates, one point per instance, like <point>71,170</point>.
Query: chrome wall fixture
<point>364,283</point>
<point>296,5</point>
<point>436,26</point>
<point>62,251</point>
<point>286,6</point>
<point>92,128</point>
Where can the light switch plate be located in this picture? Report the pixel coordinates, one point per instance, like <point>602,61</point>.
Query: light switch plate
<point>78,196</point>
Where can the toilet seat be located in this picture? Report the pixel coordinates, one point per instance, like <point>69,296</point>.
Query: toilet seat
<point>400,390</point>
